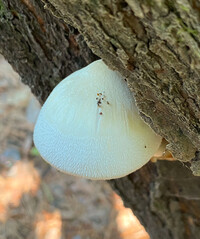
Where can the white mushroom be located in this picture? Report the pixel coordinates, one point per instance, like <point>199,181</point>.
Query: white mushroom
<point>90,127</point>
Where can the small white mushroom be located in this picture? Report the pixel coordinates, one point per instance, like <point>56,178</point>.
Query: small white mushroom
<point>90,127</point>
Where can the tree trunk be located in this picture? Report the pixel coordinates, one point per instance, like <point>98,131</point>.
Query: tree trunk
<point>40,47</point>
<point>155,44</point>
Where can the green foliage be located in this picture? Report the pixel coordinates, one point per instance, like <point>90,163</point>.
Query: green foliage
<point>34,152</point>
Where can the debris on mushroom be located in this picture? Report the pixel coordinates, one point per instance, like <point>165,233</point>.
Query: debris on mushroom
<point>90,126</point>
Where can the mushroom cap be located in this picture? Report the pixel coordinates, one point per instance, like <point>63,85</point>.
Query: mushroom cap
<point>90,126</point>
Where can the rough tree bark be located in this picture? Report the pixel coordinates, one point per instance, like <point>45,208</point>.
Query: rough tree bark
<point>155,44</point>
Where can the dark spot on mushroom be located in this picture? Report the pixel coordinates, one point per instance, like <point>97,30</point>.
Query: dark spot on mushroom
<point>108,102</point>
<point>145,146</point>
<point>100,113</point>
<point>99,102</point>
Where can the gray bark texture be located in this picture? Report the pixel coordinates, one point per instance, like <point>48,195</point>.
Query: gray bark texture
<point>155,45</point>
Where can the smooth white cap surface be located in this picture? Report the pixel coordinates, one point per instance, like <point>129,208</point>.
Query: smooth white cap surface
<point>89,126</point>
